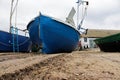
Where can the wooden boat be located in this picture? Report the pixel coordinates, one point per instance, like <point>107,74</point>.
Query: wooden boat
<point>110,43</point>
<point>12,41</point>
<point>54,35</point>
<point>7,44</point>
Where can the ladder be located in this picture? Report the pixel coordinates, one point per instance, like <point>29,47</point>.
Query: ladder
<point>15,43</point>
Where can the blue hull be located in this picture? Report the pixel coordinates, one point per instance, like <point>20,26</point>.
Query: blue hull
<point>7,46</point>
<point>55,36</point>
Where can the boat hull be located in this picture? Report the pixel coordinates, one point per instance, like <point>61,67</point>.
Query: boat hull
<point>6,40</point>
<point>109,43</point>
<point>55,36</point>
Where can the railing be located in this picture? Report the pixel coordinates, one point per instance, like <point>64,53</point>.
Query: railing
<point>15,42</point>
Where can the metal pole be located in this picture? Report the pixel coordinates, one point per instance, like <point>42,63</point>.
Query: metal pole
<point>11,16</point>
<point>12,11</point>
<point>16,14</point>
<point>77,14</point>
<point>78,4</point>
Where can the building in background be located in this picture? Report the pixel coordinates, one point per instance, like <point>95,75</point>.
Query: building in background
<point>87,41</point>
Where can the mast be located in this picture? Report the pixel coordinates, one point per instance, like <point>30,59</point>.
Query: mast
<point>84,3</point>
<point>13,8</point>
<point>78,4</point>
<point>11,16</point>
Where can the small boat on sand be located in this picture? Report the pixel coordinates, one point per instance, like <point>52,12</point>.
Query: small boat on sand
<point>53,35</point>
<point>11,41</point>
<point>109,43</point>
<point>7,44</point>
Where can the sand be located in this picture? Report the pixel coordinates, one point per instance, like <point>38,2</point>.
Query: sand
<point>78,65</point>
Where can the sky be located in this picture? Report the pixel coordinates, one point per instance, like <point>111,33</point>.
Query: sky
<point>101,14</point>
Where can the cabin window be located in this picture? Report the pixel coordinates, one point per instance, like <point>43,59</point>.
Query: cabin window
<point>85,39</point>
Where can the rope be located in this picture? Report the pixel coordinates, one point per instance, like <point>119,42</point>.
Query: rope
<point>11,43</point>
<point>5,44</point>
<point>24,42</point>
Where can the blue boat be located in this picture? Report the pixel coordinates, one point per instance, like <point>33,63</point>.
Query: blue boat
<point>54,35</point>
<point>6,43</point>
<point>12,41</point>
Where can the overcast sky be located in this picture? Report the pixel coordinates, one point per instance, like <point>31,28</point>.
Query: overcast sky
<point>101,14</point>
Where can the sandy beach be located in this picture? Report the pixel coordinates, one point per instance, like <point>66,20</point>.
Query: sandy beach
<point>78,65</point>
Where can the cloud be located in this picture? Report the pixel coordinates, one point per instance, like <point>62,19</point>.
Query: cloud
<point>109,22</point>
<point>113,21</point>
<point>29,9</point>
<point>100,15</point>
<point>101,8</point>
<point>103,14</point>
